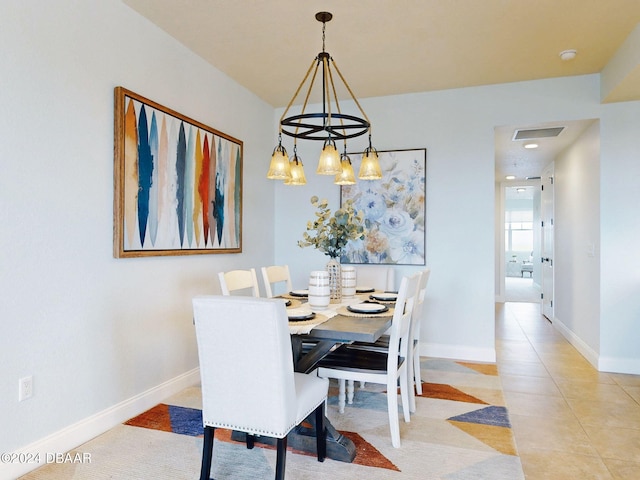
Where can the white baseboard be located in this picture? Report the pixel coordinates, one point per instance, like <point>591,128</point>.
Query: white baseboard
<point>78,433</point>
<point>585,350</point>
<point>458,352</point>
<point>630,366</point>
<point>601,363</point>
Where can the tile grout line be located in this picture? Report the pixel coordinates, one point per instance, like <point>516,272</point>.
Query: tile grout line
<point>553,379</point>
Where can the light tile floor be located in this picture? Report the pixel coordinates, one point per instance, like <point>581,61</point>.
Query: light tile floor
<point>569,420</point>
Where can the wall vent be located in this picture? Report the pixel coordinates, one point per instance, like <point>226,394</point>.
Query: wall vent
<point>537,133</point>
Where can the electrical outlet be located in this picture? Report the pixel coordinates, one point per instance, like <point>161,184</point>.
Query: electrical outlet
<point>25,388</point>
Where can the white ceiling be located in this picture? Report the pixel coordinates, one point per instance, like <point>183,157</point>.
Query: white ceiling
<point>513,159</point>
<point>387,47</point>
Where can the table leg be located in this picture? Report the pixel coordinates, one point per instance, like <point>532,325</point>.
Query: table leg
<point>303,438</point>
<point>305,361</point>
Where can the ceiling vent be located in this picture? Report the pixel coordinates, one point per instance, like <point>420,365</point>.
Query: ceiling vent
<point>537,133</point>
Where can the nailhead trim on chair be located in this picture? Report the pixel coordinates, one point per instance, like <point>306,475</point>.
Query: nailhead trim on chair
<point>256,431</point>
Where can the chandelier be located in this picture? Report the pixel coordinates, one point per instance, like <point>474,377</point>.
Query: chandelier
<point>329,125</point>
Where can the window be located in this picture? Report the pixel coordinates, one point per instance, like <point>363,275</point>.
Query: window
<point>518,230</point>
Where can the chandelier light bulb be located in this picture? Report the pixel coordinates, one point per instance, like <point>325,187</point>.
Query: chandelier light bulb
<point>370,167</point>
<point>279,169</point>
<point>329,163</point>
<point>347,176</point>
<point>297,172</point>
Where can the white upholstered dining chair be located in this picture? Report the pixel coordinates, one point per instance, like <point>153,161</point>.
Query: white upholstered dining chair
<point>239,281</point>
<point>235,334</point>
<point>383,367</point>
<point>276,279</point>
<point>380,277</point>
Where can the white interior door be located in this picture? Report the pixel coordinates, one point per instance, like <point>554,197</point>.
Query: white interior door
<point>547,240</point>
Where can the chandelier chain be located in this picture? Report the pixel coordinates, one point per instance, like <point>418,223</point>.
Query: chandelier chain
<point>323,34</point>
<point>351,93</point>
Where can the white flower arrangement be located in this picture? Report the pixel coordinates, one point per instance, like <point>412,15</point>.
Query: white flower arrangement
<point>331,233</point>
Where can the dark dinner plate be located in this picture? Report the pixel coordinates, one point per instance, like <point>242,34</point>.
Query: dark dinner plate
<point>365,289</point>
<point>299,293</point>
<point>368,308</point>
<point>301,318</point>
<point>384,297</point>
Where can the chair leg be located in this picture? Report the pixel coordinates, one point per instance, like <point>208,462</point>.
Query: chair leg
<point>341,395</point>
<point>281,457</point>
<point>392,407</point>
<point>251,440</point>
<point>207,452</point>
<point>416,369</point>
<point>350,389</point>
<point>405,395</point>
<point>411,391</point>
<point>321,433</point>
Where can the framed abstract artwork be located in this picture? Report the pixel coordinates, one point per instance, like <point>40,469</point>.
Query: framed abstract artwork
<point>394,209</point>
<point>177,183</point>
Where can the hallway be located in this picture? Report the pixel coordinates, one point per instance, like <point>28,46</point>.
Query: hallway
<point>569,420</point>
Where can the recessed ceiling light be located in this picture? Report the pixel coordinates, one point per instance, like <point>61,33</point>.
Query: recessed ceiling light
<point>510,177</point>
<point>521,189</point>
<point>531,145</point>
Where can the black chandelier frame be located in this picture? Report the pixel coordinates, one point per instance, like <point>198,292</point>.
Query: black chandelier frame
<point>321,125</point>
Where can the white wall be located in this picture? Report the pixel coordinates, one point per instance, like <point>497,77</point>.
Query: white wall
<point>95,331</point>
<point>457,128</point>
<point>620,238</point>
<point>577,228</point>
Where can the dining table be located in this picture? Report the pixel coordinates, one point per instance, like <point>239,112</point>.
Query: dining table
<point>312,340</point>
<point>337,324</point>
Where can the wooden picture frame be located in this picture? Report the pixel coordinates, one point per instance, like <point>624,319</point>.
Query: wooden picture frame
<point>394,209</point>
<point>177,183</point>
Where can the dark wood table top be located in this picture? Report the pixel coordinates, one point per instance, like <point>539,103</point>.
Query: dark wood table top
<point>338,329</point>
<point>343,328</point>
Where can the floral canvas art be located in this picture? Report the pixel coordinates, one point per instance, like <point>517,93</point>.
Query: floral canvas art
<point>394,210</point>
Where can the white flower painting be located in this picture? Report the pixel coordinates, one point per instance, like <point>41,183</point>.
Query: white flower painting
<point>394,210</point>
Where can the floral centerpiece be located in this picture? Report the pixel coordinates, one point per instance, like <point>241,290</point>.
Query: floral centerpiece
<point>331,233</point>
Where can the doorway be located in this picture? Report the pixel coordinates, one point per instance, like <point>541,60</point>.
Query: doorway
<point>522,242</point>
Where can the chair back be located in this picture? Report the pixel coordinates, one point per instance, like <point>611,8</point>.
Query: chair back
<point>279,276</point>
<point>237,280</point>
<point>401,323</point>
<point>419,304</point>
<point>246,364</point>
<point>377,276</point>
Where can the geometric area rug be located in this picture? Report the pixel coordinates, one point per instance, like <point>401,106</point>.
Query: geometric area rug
<point>460,431</point>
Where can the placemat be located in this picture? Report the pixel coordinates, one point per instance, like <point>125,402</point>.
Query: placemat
<point>295,302</point>
<point>349,313</point>
<point>303,327</point>
<point>288,296</point>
